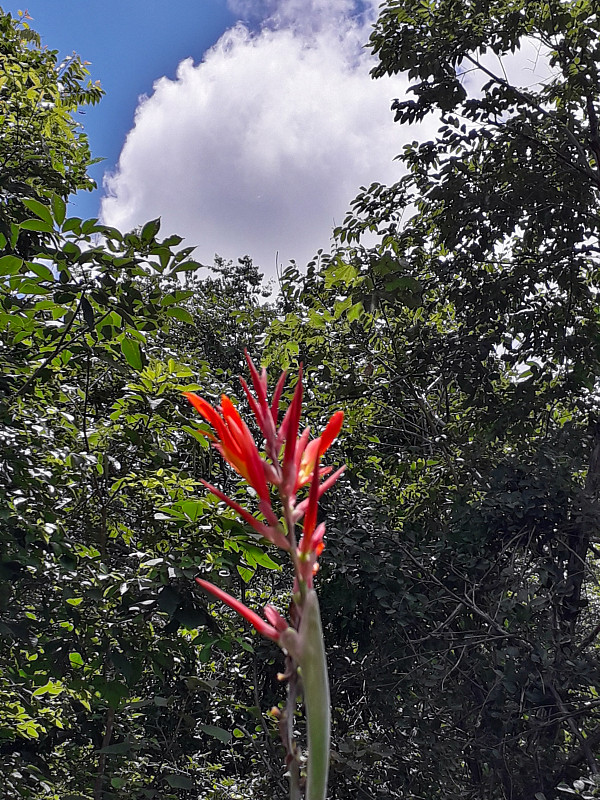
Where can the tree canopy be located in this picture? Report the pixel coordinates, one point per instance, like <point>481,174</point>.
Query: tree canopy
<point>459,581</point>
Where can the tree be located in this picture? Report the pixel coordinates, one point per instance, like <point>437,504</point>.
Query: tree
<point>43,151</point>
<point>458,582</point>
<point>108,658</point>
<point>477,348</point>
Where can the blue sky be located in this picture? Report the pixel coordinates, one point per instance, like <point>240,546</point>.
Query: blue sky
<point>130,45</point>
<point>248,126</point>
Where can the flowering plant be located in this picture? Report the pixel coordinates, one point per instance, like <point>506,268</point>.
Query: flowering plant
<point>291,462</point>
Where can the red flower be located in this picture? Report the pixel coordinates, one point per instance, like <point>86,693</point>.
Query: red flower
<point>233,440</point>
<point>273,532</point>
<point>291,462</point>
<point>298,466</point>
<point>270,631</point>
<point>308,456</point>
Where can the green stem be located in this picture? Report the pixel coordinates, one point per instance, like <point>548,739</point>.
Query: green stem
<point>313,666</point>
<point>290,744</point>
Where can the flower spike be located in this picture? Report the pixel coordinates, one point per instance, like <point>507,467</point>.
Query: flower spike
<point>287,472</point>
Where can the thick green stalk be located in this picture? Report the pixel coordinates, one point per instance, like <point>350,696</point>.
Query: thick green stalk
<point>313,671</point>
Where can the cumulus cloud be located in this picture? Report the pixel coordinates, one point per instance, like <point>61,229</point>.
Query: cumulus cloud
<point>260,148</point>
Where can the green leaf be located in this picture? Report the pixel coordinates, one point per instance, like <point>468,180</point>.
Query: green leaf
<point>40,210</point>
<point>90,226</point>
<point>150,230</point>
<point>218,733</point>
<point>127,665</point>
<point>72,224</point>
<point>195,432</point>
<point>41,270</point>
<point>341,273</point>
<point>88,312</point>
<point>179,781</point>
<point>187,266</point>
<point>258,555</point>
<point>59,209</point>
<point>168,600</point>
<point>354,312</point>
<point>161,702</point>
<point>193,508</point>
<point>52,688</point>
<point>132,353</point>
<point>181,314</point>
<point>172,241</point>
<point>113,692</point>
<point>10,265</point>
<point>36,225</point>
<point>76,659</point>
<point>246,574</point>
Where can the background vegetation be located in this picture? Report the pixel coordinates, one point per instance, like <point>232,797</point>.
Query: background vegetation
<point>459,584</point>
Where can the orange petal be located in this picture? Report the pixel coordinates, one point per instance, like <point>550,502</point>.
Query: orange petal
<point>331,431</point>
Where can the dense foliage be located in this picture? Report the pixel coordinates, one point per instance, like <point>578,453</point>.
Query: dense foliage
<point>102,690</point>
<point>482,367</point>
<point>458,585</point>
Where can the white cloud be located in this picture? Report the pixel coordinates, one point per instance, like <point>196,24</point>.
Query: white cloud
<point>260,148</point>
